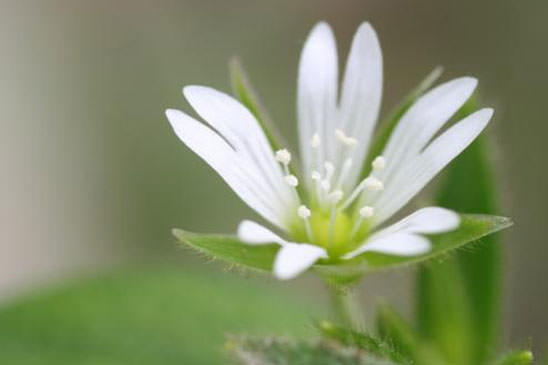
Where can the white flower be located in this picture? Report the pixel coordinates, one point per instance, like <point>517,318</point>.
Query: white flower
<point>335,214</point>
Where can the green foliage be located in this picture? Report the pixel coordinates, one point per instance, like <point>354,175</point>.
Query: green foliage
<point>153,315</point>
<point>260,257</point>
<point>516,357</point>
<point>381,138</point>
<point>282,351</point>
<point>462,322</point>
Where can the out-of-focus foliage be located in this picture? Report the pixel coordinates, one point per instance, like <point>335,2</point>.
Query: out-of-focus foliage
<point>148,316</point>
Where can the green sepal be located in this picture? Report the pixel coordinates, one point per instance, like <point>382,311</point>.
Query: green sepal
<point>260,257</point>
<point>245,93</point>
<point>387,127</point>
<point>230,249</point>
<point>472,228</point>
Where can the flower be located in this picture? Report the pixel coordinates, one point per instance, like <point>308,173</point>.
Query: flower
<point>330,211</point>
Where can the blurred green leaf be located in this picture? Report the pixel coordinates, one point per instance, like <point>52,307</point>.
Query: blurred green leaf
<point>148,315</point>
<point>516,357</point>
<point>463,321</point>
<point>387,127</point>
<point>283,351</point>
<point>472,228</point>
<point>394,329</point>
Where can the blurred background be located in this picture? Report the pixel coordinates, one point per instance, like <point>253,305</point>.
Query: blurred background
<point>93,179</point>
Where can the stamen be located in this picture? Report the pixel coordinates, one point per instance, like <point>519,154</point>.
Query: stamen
<point>316,175</point>
<point>325,184</point>
<point>369,183</point>
<point>304,213</point>
<point>379,163</point>
<point>366,211</point>
<point>344,139</point>
<point>291,180</point>
<point>283,156</point>
<point>335,196</point>
<point>315,141</point>
<point>372,183</point>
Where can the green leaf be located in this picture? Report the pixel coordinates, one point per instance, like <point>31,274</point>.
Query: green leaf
<point>260,257</point>
<point>387,127</point>
<point>230,249</point>
<point>283,351</point>
<point>405,339</point>
<point>363,341</point>
<point>464,321</point>
<point>472,228</point>
<point>516,357</point>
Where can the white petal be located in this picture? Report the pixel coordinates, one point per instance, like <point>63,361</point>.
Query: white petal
<point>418,172</point>
<point>429,220</point>
<point>294,258</point>
<point>397,244</point>
<point>240,128</point>
<point>317,94</point>
<point>423,120</point>
<point>255,234</point>
<point>361,92</point>
<point>223,159</point>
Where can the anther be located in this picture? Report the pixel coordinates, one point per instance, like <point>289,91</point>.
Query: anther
<point>372,183</point>
<point>329,169</point>
<point>291,180</point>
<point>316,175</point>
<point>379,163</point>
<point>335,196</point>
<point>303,212</point>
<point>366,211</point>
<point>283,156</point>
<point>315,141</point>
<point>344,139</point>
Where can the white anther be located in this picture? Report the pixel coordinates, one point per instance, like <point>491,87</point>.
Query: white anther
<point>315,141</point>
<point>335,196</point>
<point>325,184</point>
<point>291,180</point>
<point>379,163</point>
<point>366,211</point>
<point>283,156</point>
<point>316,175</point>
<point>350,142</point>
<point>372,183</point>
<point>344,139</point>
<point>303,212</point>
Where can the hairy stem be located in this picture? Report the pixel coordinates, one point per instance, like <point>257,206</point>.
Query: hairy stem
<point>346,307</point>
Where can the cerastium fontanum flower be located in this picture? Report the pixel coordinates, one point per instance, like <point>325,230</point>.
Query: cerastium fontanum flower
<point>335,206</point>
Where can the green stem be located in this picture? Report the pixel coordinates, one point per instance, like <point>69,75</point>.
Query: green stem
<point>346,306</point>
